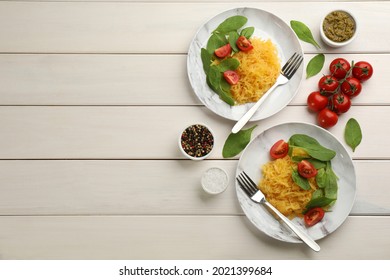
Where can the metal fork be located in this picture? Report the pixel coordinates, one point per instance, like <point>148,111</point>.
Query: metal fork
<point>286,74</point>
<point>250,188</point>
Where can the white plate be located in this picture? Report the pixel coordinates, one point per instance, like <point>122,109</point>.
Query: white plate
<point>257,153</point>
<point>267,26</point>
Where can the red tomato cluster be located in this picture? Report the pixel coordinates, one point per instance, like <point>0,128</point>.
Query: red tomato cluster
<point>336,90</point>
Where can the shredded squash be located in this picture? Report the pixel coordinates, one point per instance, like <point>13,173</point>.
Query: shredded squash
<point>281,191</point>
<point>258,71</point>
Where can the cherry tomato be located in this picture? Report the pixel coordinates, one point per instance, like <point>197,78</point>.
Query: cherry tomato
<point>231,77</point>
<point>362,71</point>
<point>327,118</point>
<point>328,85</point>
<point>339,68</point>
<point>351,87</point>
<point>316,101</point>
<point>244,44</point>
<point>279,149</point>
<point>306,169</point>
<point>223,51</point>
<point>313,216</point>
<point>341,103</point>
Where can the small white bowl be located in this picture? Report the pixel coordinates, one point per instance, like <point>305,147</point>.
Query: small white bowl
<point>215,180</point>
<point>334,44</point>
<point>186,152</point>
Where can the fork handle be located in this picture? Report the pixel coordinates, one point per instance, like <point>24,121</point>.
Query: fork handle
<point>248,115</point>
<point>301,234</point>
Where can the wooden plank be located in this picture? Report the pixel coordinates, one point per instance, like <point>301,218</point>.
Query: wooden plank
<point>78,132</point>
<point>179,237</point>
<point>139,187</point>
<point>101,27</point>
<point>42,79</point>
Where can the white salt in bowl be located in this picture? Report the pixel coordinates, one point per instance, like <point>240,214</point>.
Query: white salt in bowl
<point>215,180</point>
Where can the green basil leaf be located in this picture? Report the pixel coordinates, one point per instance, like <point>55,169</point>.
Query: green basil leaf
<point>236,142</point>
<point>315,65</point>
<point>214,43</point>
<point>300,181</point>
<point>312,147</point>
<point>231,24</point>
<point>247,32</point>
<point>233,36</point>
<point>321,178</point>
<point>228,64</point>
<point>353,133</point>
<point>318,202</point>
<point>303,32</point>
<point>206,59</point>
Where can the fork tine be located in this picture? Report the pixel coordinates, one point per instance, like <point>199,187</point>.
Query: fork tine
<point>244,186</point>
<point>292,65</point>
<point>246,183</point>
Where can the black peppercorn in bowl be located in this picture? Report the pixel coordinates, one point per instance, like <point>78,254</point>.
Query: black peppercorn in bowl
<point>196,141</point>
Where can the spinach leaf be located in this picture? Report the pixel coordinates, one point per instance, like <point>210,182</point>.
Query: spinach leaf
<point>317,193</point>
<point>233,36</point>
<point>228,64</point>
<point>318,202</point>
<point>327,180</point>
<point>300,181</point>
<point>236,142</point>
<point>312,147</point>
<point>353,133</point>
<point>247,32</point>
<point>214,43</point>
<point>214,76</point>
<point>315,65</point>
<point>206,59</point>
<point>231,24</point>
<point>303,32</point>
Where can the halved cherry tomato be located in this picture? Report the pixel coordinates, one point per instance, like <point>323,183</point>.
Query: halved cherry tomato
<point>306,169</point>
<point>341,103</point>
<point>339,68</point>
<point>351,87</point>
<point>244,44</point>
<point>316,101</point>
<point>313,216</point>
<point>223,51</point>
<point>231,77</point>
<point>327,118</point>
<point>328,85</point>
<point>362,70</point>
<point>279,149</point>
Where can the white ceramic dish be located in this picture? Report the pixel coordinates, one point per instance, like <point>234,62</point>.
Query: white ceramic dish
<point>214,180</point>
<point>267,26</point>
<point>185,153</point>
<point>257,153</point>
<point>334,44</point>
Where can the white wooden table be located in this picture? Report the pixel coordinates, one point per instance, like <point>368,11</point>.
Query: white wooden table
<point>93,96</point>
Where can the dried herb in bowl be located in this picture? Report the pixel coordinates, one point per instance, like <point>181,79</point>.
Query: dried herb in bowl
<point>197,141</point>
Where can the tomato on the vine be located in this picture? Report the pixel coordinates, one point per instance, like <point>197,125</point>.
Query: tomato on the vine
<point>306,169</point>
<point>328,85</point>
<point>339,68</point>
<point>362,70</point>
<point>316,101</point>
<point>341,103</point>
<point>279,149</point>
<point>313,216</point>
<point>244,44</point>
<point>223,51</point>
<point>327,118</point>
<point>351,87</point>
